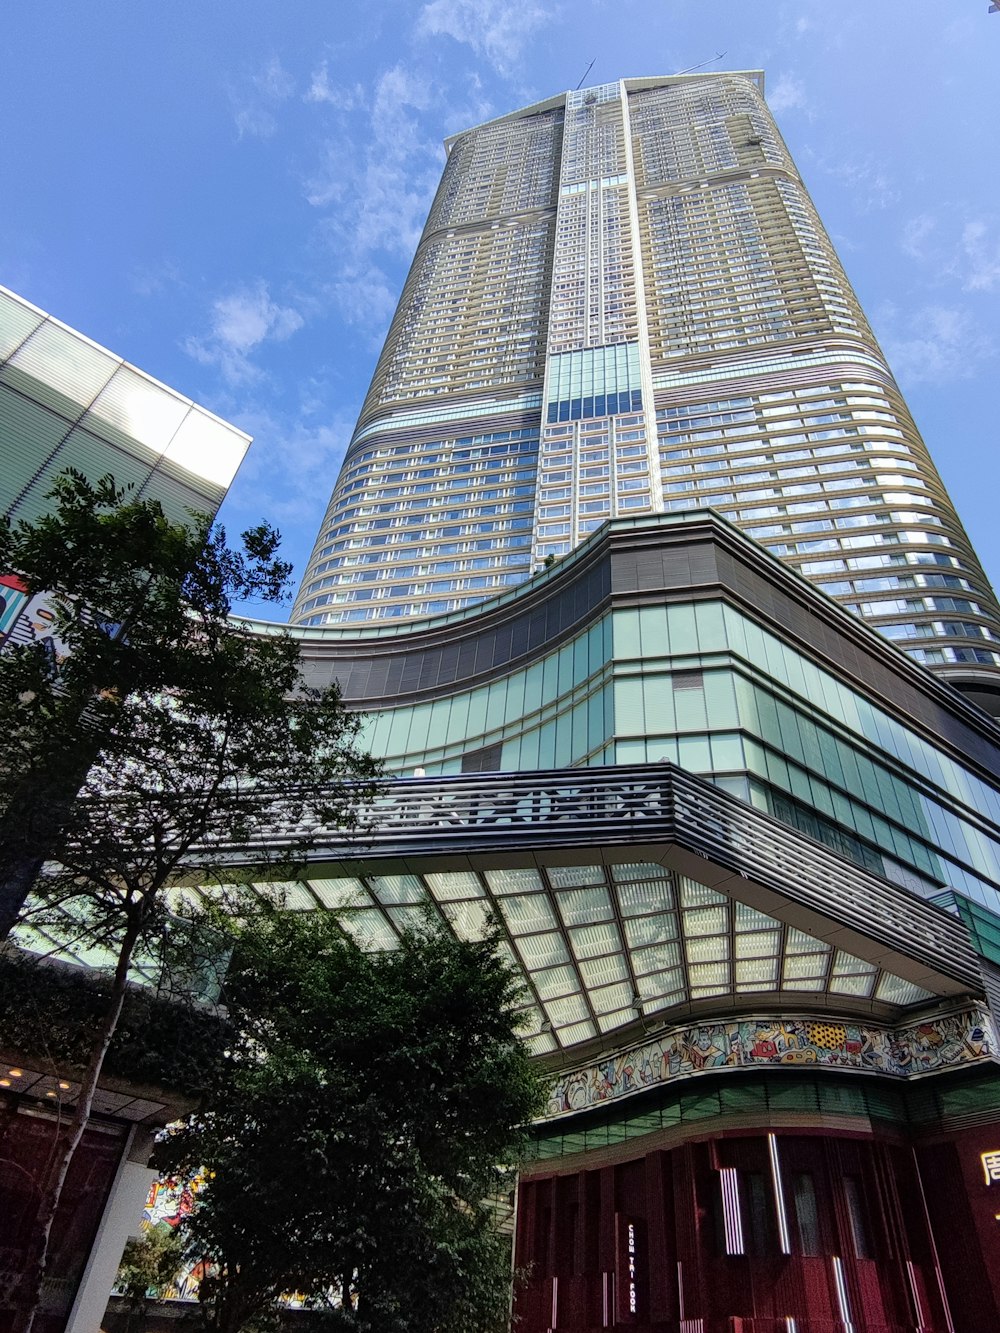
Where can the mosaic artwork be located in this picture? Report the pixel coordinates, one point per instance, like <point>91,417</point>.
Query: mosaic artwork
<point>920,1048</point>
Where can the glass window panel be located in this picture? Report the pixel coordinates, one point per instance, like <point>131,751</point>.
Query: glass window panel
<point>588,941</point>
<point>609,998</point>
<point>565,877</point>
<point>748,918</point>
<point>805,965</point>
<point>669,982</point>
<point>707,948</point>
<point>469,920</point>
<point>297,897</point>
<point>623,874</point>
<point>542,950</point>
<point>860,985</point>
<point>758,944</point>
<point>699,895</point>
<point>578,1032</point>
<point>652,896</point>
<point>804,983</point>
<point>708,974</point>
<point>666,1001</point>
<point>609,1022</point>
<point>407,918</point>
<point>542,1044</point>
<point>584,905</point>
<point>131,407</point>
<point>845,964</point>
<point>337,893</point>
<point>570,1009</point>
<point>760,971</point>
<point>450,884</point>
<point>656,957</point>
<point>207,447</point>
<point>370,929</point>
<point>598,971</point>
<point>706,921</point>
<point>527,912</point>
<point>397,888</point>
<point>555,981</point>
<point>894,990</point>
<point>797,942</point>
<point>651,929</point>
<point>65,368</point>
<point>16,322</point>
<point>513,881</point>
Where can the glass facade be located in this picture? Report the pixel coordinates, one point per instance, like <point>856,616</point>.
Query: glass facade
<point>67,403</point>
<point>642,261</point>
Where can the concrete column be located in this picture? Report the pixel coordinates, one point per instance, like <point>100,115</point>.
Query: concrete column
<point>120,1219</point>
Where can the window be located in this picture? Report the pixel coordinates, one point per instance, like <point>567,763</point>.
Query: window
<point>806,1212</point>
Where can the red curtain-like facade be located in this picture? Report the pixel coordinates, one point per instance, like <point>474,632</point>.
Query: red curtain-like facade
<point>702,1238</point>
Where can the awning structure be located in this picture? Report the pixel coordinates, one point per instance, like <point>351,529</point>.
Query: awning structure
<point>631,898</point>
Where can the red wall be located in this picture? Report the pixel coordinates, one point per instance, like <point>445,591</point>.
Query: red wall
<point>26,1145</point>
<point>854,1198</point>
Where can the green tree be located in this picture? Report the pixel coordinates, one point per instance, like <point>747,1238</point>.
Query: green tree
<point>168,739</point>
<point>371,1105</point>
<point>149,1266</point>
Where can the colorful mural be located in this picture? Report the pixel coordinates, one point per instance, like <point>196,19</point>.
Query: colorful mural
<point>919,1048</point>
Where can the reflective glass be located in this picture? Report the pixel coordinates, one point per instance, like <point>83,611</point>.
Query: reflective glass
<point>448,884</point>
<point>758,944</point>
<point>584,906</point>
<point>564,877</point>
<point>656,957</point>
<point>527,912</point>
<point>578,1032</point>
<point>397,888</point>
<point>705,921</point>
<point>651,929</point>
<point>542,950</point>
<point>555,981</point>
<point>570,1009</point>
<point>587,941</point>
<point>652,896</point>
<point>513,881</point>
<point>598,971</point>
<point>469,920</point>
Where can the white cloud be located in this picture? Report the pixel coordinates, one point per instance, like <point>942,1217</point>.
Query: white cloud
<point>498,30</point>
<point>376,201</point>
<point>981,256</point>
<point>256,99</point>
<point>934,344</point>
<point>916,233</point>
<point>870,186</point>
<point>787,93</point>
<point>241,321</point>
<point>966,253</point>
<point>342,97</point>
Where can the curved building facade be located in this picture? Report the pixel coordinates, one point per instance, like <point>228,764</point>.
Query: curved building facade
<point>624,302</point>
<point>636,564</point>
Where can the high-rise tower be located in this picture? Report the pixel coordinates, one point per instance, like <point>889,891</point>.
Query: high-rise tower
<point>624,302</point>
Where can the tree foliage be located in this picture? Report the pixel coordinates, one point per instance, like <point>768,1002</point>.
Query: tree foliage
<point>148,1268</point>
<point>371,1105</point>
<point>167,739</point>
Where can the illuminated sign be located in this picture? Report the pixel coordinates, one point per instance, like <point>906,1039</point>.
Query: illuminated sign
<point>991,1165</point>
<point>629,1276</point>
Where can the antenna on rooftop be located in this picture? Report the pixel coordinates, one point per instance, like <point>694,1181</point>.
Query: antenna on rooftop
<point>585,73</point>
<point>691,68</point>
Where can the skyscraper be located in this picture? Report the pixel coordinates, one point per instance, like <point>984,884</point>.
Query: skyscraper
<point>742,847</point>
<point>624,302</point>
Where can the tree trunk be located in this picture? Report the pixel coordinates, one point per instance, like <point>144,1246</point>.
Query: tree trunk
<point>28,1296</point>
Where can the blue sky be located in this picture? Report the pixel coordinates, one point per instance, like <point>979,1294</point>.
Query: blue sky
<point>228,192</point>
